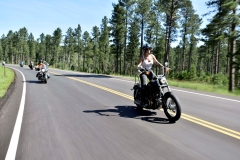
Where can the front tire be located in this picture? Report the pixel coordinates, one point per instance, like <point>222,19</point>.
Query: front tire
<point>171,107</point>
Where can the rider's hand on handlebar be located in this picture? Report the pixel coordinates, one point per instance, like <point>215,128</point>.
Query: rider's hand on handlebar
<point>160,65</point>
<point>140,67</point>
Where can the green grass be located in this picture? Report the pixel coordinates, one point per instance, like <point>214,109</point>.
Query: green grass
<point>204,87</point>
<point>6,80</point>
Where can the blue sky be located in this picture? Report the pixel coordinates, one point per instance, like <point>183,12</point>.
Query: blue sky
<point>44,16</point>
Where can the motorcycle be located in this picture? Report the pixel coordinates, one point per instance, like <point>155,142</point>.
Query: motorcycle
<point>21,64</point>
<point>31,66</point>
<point>42,75</point>
<point>156,97</point>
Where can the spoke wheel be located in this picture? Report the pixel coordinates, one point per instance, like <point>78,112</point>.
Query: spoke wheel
<point>172,108</point>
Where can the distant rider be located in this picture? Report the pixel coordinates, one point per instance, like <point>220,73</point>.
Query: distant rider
<point>31,64</point>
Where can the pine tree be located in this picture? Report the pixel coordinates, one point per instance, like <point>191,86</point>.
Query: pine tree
<point>70,42</point>
<point>142,10</point>
<point>57,36</point>
<point>78,35</point>
<point>23,48</point>
<point>96,36</point>
<point>170,8</point>
<point>48,52</point>
<point>133,44</point>
<point>226,19</point>
<point>32,48</point>
<point>128,9</point>
<point>41,50</point>
<point>117,32</point>
<point>104,46</point>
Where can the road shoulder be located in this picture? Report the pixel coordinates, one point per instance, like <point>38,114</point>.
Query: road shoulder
<point>7,95</point>
<point>8,113</point>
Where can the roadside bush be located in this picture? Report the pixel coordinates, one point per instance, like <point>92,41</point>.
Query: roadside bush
<point>201,76</point>
<point>192,74</point>
<point>173,75</point>
<point>207,78</point>
<point>219,79</point>
<point>183,75</point>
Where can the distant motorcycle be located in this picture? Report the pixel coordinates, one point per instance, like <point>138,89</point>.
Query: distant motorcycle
<point>156,98</point>
<point>31,66</point>
<point>21,64</point>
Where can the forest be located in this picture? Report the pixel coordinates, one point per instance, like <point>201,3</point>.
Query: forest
<point>114,46</point>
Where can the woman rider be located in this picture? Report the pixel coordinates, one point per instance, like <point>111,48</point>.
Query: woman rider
<point>146,60</point>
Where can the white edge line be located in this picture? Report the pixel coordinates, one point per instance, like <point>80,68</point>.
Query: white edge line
<point>208,95</point>
<point>12,149</point>
<point>189,92</point>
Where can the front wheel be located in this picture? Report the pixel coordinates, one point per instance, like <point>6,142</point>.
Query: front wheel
<point>172,108</point>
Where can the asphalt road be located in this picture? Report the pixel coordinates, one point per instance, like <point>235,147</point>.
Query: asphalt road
<point>86,116</point>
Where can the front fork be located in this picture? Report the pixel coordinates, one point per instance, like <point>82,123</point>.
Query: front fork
<point>161,92</point>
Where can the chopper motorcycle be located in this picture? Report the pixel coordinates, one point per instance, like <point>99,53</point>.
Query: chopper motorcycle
<point>156,97</point>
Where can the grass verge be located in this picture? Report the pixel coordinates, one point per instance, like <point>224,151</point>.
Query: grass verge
<point>204,87</point>
<point>6,80</point>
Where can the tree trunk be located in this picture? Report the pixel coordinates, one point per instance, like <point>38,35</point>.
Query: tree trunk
<point>79,58</point>
<point>116,67</point>
<point>125,46</point>
<point>232,55</point>
<point>216,60</point>
<point>142,28</point>
<point>190,57</point>
<point>232,60</point>
<point>219,50</point>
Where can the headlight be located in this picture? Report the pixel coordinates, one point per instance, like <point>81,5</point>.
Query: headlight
<point>163,80</point>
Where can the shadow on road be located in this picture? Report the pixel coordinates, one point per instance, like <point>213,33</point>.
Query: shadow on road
<point>131,112</point>
<point>85,75</point>
<point>34,81</point>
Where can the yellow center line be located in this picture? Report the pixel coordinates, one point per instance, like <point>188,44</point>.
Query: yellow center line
<point>201,122</point>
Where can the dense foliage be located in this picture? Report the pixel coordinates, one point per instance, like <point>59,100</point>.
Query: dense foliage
<point>114,45</point>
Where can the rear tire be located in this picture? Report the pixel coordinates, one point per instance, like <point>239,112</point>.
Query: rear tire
<point>136,96</point>
<point>172,107</point>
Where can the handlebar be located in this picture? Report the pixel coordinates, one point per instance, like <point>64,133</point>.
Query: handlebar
<point>165,70</point>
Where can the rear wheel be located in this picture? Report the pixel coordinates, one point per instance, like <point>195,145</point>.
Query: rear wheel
<point>172,108</point>
<point>137,95</point>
